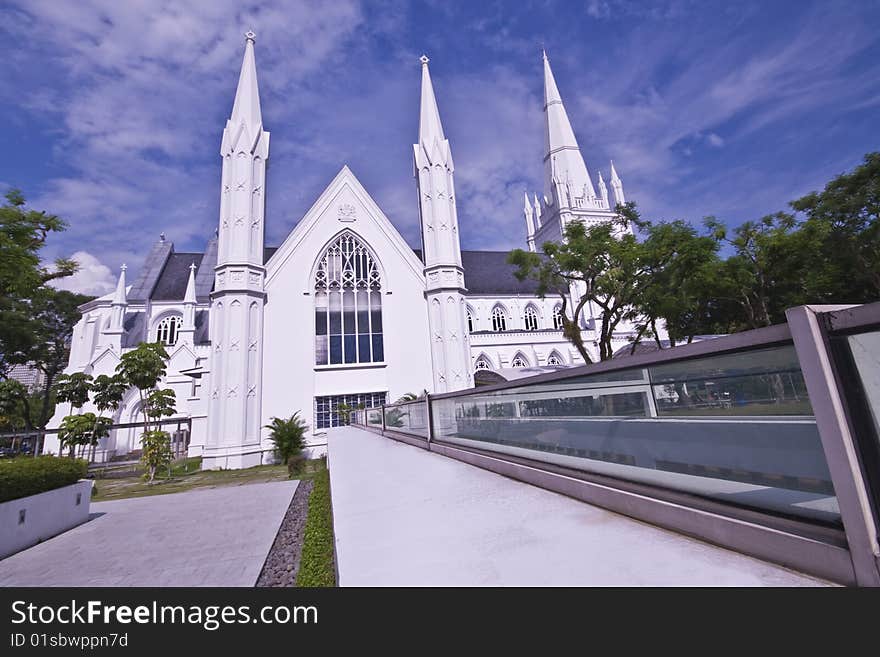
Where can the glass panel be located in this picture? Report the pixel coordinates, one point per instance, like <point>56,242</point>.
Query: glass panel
<point>335,328</point>
<point>865,349</point>
<point>348,315</point>
<point>762,382</point>
<point>321,328</point>
<point>408,418</point>
<point>746,437</point>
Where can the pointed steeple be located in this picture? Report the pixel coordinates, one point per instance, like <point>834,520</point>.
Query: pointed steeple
<point>537,212</point>
<point>430,128</point>
<point>246,107</point>
<point>190,294</point>
<point>617,187</point>
<point>563,163</point>
<point>528,211</point>
<point>188,327</point>
<point>603,190</point>
<point>119,296</point>
<point>116,326</point>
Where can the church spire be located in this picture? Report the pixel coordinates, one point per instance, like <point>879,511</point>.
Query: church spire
<point>430,128</point>
<point>528,210</point>
<point>237,301</point>
<point>246,107</point>
<point>119,296</point>
<point>188,326</point>
<point>116,327</point>
<point>566,179</point>
<point>441,249</point>
<point>617,187</point>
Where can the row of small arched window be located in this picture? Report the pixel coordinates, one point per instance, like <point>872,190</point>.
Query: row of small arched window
<point>498,318</point>
<point>518,361</point>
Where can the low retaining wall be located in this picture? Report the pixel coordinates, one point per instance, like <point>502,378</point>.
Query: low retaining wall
<point>27,521</point>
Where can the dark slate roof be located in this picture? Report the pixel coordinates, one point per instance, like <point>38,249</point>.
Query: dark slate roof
<point>485,273</point>
<point>171,285</point>
<point>205,274</point>
<point>143,287</point>
<point>202,336</point>
<point>134,329</point>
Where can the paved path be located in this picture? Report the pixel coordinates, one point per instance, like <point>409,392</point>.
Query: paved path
<point>405,516</point>
<point>204,537</point>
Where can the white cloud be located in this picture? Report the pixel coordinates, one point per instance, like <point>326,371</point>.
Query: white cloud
<point>715,140</point>
<point>93,277</point>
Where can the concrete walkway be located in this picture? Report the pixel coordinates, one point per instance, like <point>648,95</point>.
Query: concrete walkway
<point>405,516</point>
<point>204,537</point>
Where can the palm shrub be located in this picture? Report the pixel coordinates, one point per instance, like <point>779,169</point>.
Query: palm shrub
<point>289,437</point>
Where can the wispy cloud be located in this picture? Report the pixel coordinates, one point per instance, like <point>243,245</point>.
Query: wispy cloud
<point>705,108</point>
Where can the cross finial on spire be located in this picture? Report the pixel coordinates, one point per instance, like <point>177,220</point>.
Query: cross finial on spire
<point>424,60</point>
<point>192,267</point>
<point>251,36</point>
<point>124,267</point>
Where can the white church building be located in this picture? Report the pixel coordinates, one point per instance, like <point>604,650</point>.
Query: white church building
<point>344,310</point>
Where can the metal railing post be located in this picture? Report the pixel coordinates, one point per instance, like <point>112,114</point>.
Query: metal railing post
<point>812,345</point>
<point>430,418</point>
<point>383,418</point>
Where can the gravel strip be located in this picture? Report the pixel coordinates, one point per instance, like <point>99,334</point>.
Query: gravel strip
<point>282,562</point>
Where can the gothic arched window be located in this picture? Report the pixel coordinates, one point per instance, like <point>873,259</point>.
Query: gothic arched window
<point>519,361</point>
<point>470,320</point>
<point>348,304</point>
<point>554,359</point>
<point>499,319</point>
<point>482,364</point>
<point>530,318</point>
<point>557,317</point>
<point>167,330</point>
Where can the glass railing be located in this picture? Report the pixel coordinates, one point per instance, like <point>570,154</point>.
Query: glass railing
<point>408,417</point>
<point>737,428</point>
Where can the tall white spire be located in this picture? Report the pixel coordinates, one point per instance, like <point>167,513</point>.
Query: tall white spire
<point>236,327</point>
<point>565,175</point>
<point>188,326</point>
<point>617,187</point>
<point>430,127</point>
<point>441,250</point>
<point>537,212</point>
<point>246,107</point>
<point>116,327</point>
<point>119,295</point>
<point>528,210</point>
<point>603,190</point>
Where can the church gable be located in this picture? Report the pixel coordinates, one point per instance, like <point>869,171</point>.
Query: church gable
<point>344,206</point>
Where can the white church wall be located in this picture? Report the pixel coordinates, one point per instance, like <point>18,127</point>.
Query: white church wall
<point>291,379</point>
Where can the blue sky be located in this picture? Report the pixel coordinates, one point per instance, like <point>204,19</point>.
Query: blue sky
<point>114,110</point>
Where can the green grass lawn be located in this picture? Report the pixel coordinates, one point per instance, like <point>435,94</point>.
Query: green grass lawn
<point>186,475</point>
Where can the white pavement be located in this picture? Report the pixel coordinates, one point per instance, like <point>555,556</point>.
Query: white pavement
<point>204,537</point>
<point>407,517</point>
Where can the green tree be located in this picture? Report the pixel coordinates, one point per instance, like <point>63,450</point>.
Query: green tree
<point>603,264</point>
<point>842,222</point>
<point>143,368</point>
<point>73,389</point>
<point>107,394</point>
<point>83,430</point>
<point>288,436</point>
<point>680,272</point>
<point>23,233</point>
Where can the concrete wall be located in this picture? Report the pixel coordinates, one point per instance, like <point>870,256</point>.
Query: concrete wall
<point>29,520</point>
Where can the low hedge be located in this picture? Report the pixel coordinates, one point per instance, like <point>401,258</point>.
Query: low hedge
<point>24,476</point>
